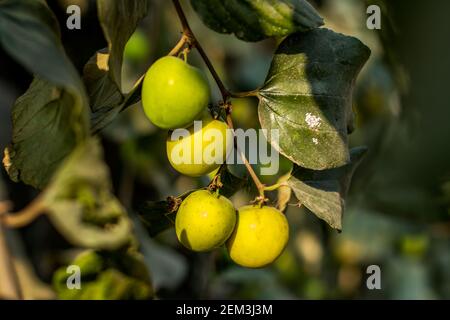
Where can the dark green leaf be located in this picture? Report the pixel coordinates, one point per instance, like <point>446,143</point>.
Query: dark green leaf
<point>29,33</point>
<point>307,96</point>
<point>119,20</point>
<point>324,192</point>
<point>105,114</point>
<point>102,90</point>
<point>254,20</point>
<point>231,183</point>
<point>46,128</point>
<point>80,202</point>
<point>158,216</point>
<point>52,116</point>
<point>103,72</point>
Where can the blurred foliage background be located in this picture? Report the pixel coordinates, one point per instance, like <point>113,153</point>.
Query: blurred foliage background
<point>398,209</point>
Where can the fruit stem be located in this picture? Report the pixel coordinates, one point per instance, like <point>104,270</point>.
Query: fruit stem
<point>181,43</point>
<point>248,166</point>
<point>185,54</point>
<point>216,183</point>
<point>192,40</point>
<point>226,95</point>
<point>275,186</point>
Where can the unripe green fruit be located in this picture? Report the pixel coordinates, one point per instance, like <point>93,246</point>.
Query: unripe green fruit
<point>201,151</point>
<point>137,48</point>
<point>174,93</point>
<point>260,236</point>
<point>204,221</point>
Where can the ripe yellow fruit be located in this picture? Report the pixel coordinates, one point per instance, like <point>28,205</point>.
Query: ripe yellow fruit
<point>260,236</point>
<point>201,150</point>
<point>204,221</point>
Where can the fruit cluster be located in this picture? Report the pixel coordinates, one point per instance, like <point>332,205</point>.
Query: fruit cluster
<point>174,95</point>
<point>254,237</point>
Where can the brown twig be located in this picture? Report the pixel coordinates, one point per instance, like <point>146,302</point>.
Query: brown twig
<point>192,40</point>
<point>187,32</point>
<point>23,217</point>
<point>5,206</point>
<point>10,266</point>
<point>250,170</point>
<point>176,50</point>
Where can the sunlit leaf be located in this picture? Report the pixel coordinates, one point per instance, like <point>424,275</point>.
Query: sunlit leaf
<point>80,202</point>
<point>307,97</point>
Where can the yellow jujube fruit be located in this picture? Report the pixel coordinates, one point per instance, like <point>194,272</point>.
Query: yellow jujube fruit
<point>260,236</point>
<point>200,149</point>
<point>204,221</point>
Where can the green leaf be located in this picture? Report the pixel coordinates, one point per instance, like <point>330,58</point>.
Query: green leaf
<point>47,125</point>
<point>231,183</point>
<point>52,116</point>
<point>307,96</point>
<point>103,91</point>
<point>254,20</point>
<point>80,203</point>
<point>103,72</point>
<point>324,192</point>
<point>106,276</point>
<point>119,20</point>
<point>29,33</point>
<point>105,114</point>
<point>158,216</point>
